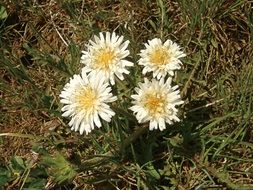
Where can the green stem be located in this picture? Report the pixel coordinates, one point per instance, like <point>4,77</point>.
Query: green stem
<point>105,157</point>
<point>141,130</point>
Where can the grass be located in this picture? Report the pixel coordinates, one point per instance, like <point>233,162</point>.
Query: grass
<point>211,148</point>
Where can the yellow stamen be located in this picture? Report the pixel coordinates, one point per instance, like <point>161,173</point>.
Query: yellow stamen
<point>159,56</point>
<point>155,103</point>
<point>104,58</point>
<point>86,99</point>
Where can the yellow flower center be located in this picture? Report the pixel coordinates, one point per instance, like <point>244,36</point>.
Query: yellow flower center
<point>86,99</point>
<point>104,59</point>
<point>155,103</point>
<point>159,56</point>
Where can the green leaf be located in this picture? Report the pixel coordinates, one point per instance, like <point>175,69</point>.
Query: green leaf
<point>18,163</point>
<point>153,172</point>
<point>3,13</point>
<point>5,176</point>
<point>59,168</point>
<point>35,184</point>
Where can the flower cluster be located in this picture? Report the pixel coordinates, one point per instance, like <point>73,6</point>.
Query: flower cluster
<point>87,96</point>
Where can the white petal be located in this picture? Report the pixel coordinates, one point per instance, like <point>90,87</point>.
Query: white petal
<point>161,124</point>
<point>152,125</point>
<point>97,120</point>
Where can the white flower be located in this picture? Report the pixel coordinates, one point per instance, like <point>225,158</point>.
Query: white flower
<point>156,102</point>
<point>161,59</point>
<point>85,98</point>
<point>105,56</point>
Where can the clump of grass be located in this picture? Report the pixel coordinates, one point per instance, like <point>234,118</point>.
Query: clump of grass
<point>210,148</point>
